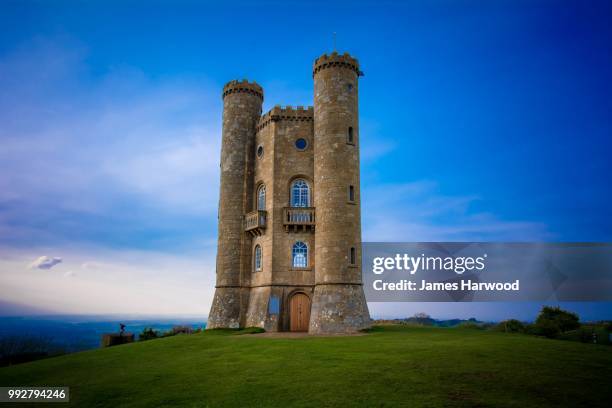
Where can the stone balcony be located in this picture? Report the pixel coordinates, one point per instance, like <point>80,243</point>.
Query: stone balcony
<point>297,219</point>
<point>255,222</point>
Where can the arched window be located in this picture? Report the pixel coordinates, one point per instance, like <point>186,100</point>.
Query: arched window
<point>261,197</point>
<point>300,193</point>
<point>300,255</point>
<point>257,258</point>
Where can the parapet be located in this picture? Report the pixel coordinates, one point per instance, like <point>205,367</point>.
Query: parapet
<point>243,86</point>
<point>278,112</point>
<point>336,60</point>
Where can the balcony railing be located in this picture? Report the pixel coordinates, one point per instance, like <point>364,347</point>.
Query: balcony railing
<point>255,222</point>
<point>296,218</point>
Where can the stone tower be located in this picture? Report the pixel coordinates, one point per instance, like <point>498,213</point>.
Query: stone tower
<point>339,302</point>
<point>289,249</point>
<point>242,103</point>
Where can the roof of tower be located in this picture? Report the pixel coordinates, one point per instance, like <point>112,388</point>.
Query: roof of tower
<point>336,60</point>
<point>243,86</point>
<point>278,112</point>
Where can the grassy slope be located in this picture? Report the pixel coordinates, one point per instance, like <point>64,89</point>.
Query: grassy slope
<point>389,367</point>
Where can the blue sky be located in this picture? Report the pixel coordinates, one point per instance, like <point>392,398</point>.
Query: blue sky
<point>487,121</point>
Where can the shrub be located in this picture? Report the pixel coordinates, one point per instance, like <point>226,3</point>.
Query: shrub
<point>547,328</point>
<point>553,321</point>
<point>470,325</point>
<point>181,330</point>
<point>250,330</point>
<point>147,334</point>
<point>531,329</point>
<point>21,349</point>
<point>511,326</point>
<point>372,329</point>
<point>420,318</point>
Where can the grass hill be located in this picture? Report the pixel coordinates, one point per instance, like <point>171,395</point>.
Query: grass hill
<point>391,366</point>
<point>428,321</point>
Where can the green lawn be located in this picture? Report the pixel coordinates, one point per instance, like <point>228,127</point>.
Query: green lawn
<point>391,366</point>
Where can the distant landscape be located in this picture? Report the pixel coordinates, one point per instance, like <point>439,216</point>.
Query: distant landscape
<point>72,333</point>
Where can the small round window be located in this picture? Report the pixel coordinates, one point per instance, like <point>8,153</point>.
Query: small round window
<point>301,144</point>
<point>259,151</point>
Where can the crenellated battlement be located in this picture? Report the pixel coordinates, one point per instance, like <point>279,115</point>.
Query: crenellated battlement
<point>336,60</point>
<point>297,113</point>
<point>243,86</point>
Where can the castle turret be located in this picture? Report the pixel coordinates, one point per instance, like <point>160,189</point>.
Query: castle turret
<point>242,104</point>
<point>339,303</point>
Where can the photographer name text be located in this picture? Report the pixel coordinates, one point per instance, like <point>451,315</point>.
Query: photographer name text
<point>464,284</point>
<point>413,264</point>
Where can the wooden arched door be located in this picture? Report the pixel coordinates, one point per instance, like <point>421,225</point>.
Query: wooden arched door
<point>299,312</point>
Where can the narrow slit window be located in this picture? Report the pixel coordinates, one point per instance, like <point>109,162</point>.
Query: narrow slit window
<point>350,136</point>
<point>351,193</point>
<point>261,198</point>
<point>258,258</point>
<point>353,256</point>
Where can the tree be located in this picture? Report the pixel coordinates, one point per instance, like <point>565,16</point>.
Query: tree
<point>422,318</point>
<point>553,320</point>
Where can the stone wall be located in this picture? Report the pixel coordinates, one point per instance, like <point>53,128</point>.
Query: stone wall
<point>279,164</point>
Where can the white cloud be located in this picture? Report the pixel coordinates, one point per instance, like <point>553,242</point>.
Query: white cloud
<point>127,282</point>
<point>76,143</point>
<point>44,262</point>
<point>181,175</point>
<point>417,211</point>
<point>92,265</point>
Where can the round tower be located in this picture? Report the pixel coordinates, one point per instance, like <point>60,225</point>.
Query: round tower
<point>339,303</point>
<point>242,103</point>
